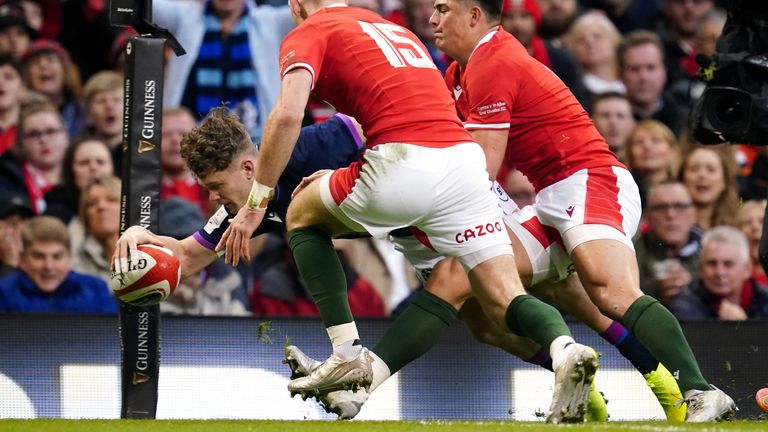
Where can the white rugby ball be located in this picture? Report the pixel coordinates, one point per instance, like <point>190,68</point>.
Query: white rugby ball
<point>152,276</point>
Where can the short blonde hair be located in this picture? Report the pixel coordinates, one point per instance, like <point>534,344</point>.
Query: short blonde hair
<point>45,229</point>
<point>589,20</point>
<point>101,82</point>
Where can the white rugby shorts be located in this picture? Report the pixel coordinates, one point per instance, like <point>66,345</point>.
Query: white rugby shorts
<point>592,204</point>
<point>441,193</point>
<point>542,244</point>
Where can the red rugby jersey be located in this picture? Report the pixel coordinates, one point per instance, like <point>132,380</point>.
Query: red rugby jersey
<point>377,72</point>
<point>550,134</point>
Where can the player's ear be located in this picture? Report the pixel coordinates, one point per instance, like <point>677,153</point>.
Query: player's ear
<point>295,7</point>
<point>249,168</point>
<point>474,15</point>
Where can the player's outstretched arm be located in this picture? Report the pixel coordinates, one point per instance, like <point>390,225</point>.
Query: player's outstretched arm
<point>280,134</point>
<point>192,256</point>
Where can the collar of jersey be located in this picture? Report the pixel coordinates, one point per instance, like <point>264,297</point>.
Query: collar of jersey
<point>485,39</point>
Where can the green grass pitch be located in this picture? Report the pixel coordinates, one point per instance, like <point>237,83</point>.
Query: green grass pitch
<point>360,426</point>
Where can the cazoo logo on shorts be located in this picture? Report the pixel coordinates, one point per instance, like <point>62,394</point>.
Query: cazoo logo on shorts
<point>478,231</point>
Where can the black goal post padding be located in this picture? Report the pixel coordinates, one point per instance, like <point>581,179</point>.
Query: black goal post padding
<point>140,203</point>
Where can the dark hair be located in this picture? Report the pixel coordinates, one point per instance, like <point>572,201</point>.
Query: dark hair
<point>9,60</point>
<point>605,96</point>
<point>492,8</point>
<point>213,145</point>
<point>638,38</point>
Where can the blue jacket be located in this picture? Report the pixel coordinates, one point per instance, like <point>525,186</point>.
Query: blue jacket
<point>78,293</point>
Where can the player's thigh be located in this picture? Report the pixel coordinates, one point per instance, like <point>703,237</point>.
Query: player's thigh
<point>307,209</point>
<point>608,270</point>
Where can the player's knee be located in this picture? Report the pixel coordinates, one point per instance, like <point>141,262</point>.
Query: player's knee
<point>449,282</point>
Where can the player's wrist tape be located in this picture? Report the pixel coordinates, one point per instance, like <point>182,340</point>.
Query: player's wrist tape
<point>259,196</point>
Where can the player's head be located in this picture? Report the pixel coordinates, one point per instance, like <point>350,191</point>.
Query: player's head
<point>222,156</point>
<point>460,24</point>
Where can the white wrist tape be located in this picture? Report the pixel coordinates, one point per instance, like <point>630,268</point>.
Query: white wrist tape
<point>259,196</point>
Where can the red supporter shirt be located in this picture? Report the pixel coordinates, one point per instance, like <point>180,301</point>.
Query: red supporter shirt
<point>550,134</point>
<point>377,72</point>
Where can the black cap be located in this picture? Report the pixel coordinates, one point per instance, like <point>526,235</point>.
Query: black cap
<point>179,218</point>
<point>12,14</point>
<point>12,203</point>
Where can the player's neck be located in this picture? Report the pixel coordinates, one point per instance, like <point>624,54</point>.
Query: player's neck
<point>477,37</point>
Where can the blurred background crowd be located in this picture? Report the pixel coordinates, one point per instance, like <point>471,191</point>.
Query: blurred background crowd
<point>631,63</point>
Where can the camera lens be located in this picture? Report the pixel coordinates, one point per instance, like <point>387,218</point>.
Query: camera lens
<point>729,109</point>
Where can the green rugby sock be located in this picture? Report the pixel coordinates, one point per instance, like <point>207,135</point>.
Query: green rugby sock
<point>659,331</point>
<point>323,274</point>
<point>530,317</point>
<point>415,331</point>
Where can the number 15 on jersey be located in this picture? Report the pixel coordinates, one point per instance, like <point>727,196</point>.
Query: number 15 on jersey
<point>396,45</point>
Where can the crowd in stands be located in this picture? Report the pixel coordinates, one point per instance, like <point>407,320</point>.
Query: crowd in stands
<point>629,62</point>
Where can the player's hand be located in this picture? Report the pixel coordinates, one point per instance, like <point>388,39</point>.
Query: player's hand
<point>127,246</point>
<point>307,180</point>
<point>237,237</point>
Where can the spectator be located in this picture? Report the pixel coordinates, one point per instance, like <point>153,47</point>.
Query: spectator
<point>710,175</point>
<point>87,159</point>
<point>653,154</point>
<point>35,165</point>
<point>641,65</point>
<point>45,281</point>
<point>627,15</point>
<point>593,39</point>
<point>48,70</point>
<point>682,20</point>
<point>232,56</point>
<point>557,17</point>
<point>279,291</point>
<point>417,13</point>
<point>612,114</point>
<point>11,91</point>
<point>14,209</point>
<point>103,96</point>
<point>521,18</point>
<point>100,216</point>
<point>725,289</point>
<point>16,34</point>
<point>216,290</point>
<point>709,30</point>
<point>177,179</point>
<point>667,251</point>
<point>749,219</point>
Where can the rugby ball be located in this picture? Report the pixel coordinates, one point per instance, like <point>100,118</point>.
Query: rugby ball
<point>762,399</point>
<point>152,276</point>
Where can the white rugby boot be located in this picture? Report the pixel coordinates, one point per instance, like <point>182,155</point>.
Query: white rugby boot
<point>709,405</point>
<point>333,374</point>
<point>344,403</point>
<point>574,374</point>
<point>301,364</point>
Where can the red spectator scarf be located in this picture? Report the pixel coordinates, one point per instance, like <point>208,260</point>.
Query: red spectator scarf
<point>37,186</point>
<point>538,50</point>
